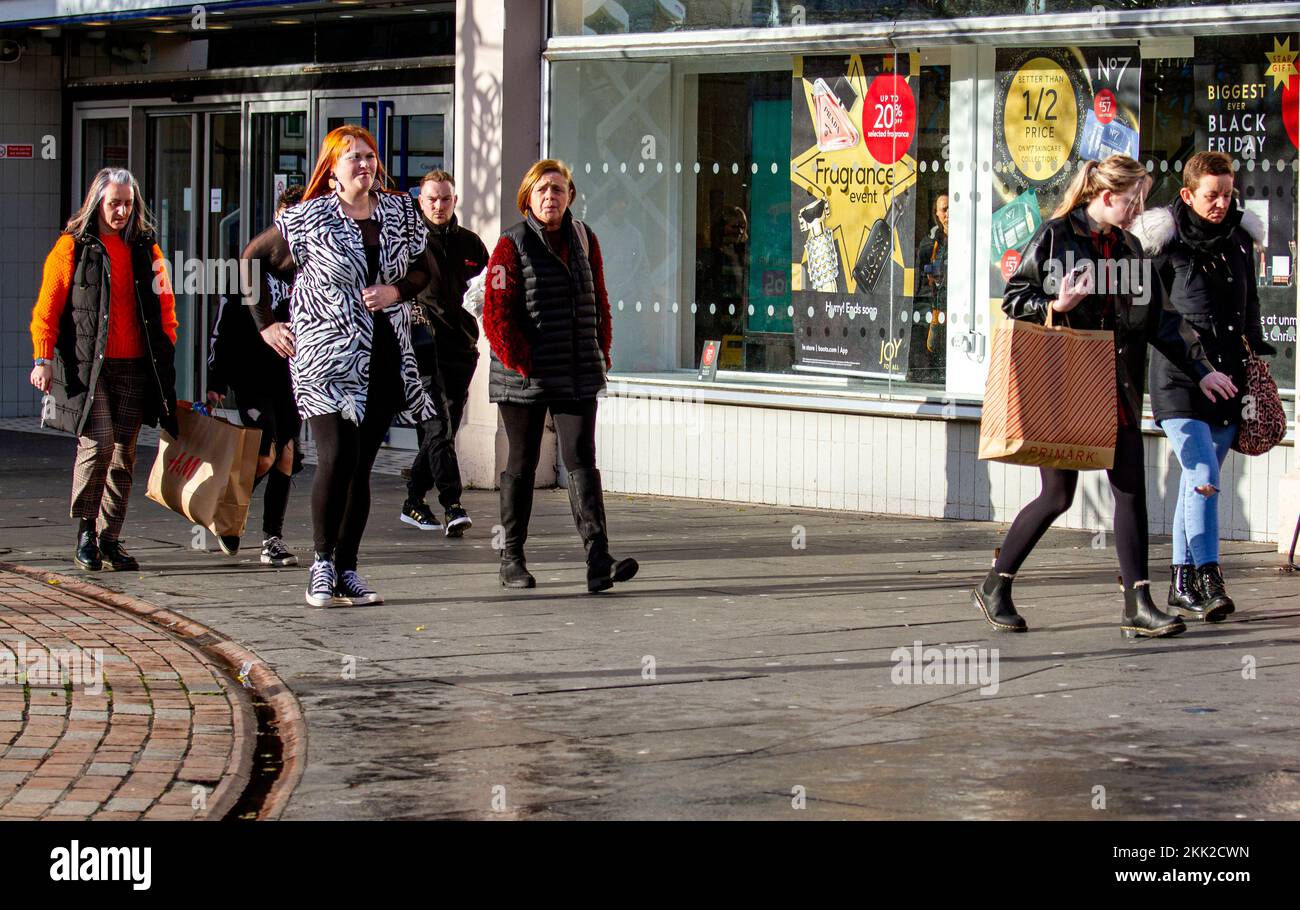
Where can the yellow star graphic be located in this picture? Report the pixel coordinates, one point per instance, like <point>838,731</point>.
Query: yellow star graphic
<point>1281,62</point>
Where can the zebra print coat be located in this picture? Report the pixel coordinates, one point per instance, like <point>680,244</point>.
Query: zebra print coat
<point>331,327</point>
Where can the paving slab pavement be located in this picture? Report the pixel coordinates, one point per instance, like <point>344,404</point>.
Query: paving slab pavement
<point>751,670</point>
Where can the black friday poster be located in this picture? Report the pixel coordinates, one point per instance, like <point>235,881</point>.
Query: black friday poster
<point>853,173</point>
<point>1054,108</point>
<point>1247,106</point>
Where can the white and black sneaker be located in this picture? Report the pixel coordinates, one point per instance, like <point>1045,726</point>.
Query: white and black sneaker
<point>352,588</point>
<point>321,583</point>
<point>275,553</point>
<point>420,515</point>
<point>456,521</point>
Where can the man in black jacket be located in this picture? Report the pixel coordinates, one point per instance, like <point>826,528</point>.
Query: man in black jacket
<point>445,336</point>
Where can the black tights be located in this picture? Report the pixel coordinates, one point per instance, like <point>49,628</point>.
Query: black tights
<point>575,425</point>
<point>1127,482</point>
<point>345,453</point>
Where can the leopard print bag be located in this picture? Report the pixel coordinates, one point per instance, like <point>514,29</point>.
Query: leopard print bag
<point>1263,423</point>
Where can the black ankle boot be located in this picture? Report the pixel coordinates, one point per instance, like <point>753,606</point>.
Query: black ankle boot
<point>516,508</point>
<point>587,500</point>
<point>87,555</point>
<point>1184,592</point>
<point>114,554</point>
<point>1217,602</point>
<point>1142,618</point>
<point>993,597</point>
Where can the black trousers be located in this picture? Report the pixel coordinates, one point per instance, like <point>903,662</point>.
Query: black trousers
<point>345,454</point>
<point>435,465</point>
<point>575,425</point>
<point>1127,481</point>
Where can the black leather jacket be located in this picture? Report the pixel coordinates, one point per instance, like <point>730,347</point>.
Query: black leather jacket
<point>1142,314</point>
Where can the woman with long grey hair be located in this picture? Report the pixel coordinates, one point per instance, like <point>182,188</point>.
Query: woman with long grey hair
<point>104,337</point>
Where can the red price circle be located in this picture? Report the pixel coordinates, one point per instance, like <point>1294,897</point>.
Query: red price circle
<point>889,118</point>
<point>1105,106</point>
<point>1010,262</point>
<point>708,355</point>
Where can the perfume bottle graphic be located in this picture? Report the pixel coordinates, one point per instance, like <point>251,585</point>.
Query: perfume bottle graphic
<point>823,255</point>
<point>875,252</point>
<point>834,127</point>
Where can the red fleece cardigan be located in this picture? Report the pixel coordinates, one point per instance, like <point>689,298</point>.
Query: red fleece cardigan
<point>504,312</point>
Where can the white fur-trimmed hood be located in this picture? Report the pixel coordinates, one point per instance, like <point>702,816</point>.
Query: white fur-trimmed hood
<point>1155,229</point>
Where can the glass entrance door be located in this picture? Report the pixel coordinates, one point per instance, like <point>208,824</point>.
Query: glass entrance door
<point>413,130</point>
<point>170,183</point>
<point>222,239</point>
<point>192,185</point>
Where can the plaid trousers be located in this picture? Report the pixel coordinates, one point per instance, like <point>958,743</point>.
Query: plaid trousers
<point>105,467</point>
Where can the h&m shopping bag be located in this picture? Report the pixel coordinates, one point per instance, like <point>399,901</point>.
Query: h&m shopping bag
<point>1050,397</point>
<point>207,473</point>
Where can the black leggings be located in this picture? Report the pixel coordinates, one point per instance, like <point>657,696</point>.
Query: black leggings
<point>1127,482</point>
<point>345,453</point>
<point>575,425</point>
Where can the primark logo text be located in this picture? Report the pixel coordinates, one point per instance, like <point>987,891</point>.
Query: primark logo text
<point>103,864</point>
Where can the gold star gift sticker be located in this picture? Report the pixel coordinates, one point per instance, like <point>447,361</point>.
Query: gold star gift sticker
<point>1281,62</point>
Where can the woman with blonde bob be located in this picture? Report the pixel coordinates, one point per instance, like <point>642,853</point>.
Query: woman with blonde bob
<point>354,251</point>
<point>1070,266</point>
<point>546,314</point>
<point>104,338</point>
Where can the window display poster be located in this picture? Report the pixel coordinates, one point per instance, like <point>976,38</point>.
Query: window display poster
<point>1054,108</point>
<point>1247,97</point>
<point>853,178</point>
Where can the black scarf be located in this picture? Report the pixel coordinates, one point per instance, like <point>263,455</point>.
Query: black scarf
<point>1202,235</point>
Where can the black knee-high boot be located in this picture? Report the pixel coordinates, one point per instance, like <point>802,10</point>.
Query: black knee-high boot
<point>516,508</point>
<point>587,500</point>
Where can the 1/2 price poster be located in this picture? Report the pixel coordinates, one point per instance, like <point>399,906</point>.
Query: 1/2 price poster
<point>853,174</point>
<point>1055,108</point>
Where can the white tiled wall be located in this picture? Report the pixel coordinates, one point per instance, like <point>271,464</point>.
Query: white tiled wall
<point>29,212</point>
<point>891,465</point>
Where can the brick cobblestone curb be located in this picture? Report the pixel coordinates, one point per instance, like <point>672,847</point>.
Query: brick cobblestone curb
<point>142,746</point>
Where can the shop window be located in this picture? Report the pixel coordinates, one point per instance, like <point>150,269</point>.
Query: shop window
<point>603,17</point>
<point>1059,106</point>
<point>740,220</point>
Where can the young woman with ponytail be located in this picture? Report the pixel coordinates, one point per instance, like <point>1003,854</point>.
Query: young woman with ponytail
<point>1089,227</point>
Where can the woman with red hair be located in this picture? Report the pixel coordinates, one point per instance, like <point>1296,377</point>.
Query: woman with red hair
<point>354,251</point>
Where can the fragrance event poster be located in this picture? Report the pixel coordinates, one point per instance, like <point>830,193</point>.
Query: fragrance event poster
<point>1054,108</point>
<point>853,172</point>
<point>1247,106</point>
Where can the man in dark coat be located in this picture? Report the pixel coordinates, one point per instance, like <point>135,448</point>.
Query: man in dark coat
<point>445,336</point>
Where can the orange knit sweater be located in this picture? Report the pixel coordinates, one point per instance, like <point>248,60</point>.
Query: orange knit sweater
<point>125,334</point>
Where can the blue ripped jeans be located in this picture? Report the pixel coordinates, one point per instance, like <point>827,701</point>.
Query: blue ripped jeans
<point>1201,449</point>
